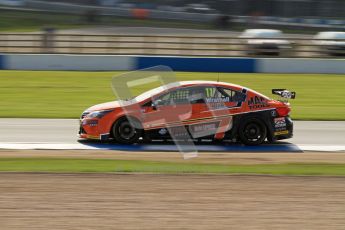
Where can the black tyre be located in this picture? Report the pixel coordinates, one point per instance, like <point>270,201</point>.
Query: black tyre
<point>252,131</point>
<point>270,138</point>
<point>126,132</point>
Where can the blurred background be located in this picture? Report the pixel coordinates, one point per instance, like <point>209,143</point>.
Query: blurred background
<point>285,28</point>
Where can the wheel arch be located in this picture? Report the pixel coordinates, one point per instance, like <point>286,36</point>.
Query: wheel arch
<point>128,117</point>
<point>263,116</point>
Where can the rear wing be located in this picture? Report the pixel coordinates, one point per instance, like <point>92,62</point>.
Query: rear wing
<point>284,93</point>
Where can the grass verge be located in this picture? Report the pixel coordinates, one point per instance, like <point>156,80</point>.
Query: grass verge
<point>65,94</point>
<point>109,165</point>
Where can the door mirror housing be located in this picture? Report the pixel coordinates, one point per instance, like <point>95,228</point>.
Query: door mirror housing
<point>156,103</point>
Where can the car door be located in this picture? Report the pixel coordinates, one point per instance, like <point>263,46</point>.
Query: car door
<point>168,109</point>
<point>213,113</point>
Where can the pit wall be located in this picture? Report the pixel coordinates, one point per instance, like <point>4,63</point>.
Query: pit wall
<point>193,64</point>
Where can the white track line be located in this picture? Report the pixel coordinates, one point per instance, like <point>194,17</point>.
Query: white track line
<point>322,148</point>
<point>80,146</point>
<point>46,146</point>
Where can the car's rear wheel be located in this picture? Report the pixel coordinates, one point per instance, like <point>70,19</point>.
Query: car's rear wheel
<point>252,131</point>
<point>126,132</point>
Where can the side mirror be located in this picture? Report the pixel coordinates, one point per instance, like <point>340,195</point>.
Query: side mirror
<point>153,105</point>
<point>156,103</point>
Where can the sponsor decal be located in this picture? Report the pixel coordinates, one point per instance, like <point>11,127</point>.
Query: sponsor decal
<point>257,102</point>
<point>90,122</point>
<point>218,105</point>
<point>163,131</point>
<point>203,127</point>
<point>217,99</point>
<point>283,132</point>
<point>280,126</point>
<point>280,123</point>
<point>92,137</point>
<point>273,113</point>
<point>286,94</point>
<point>179,132</point>
<point>93,122</point>
<point>216,102</point>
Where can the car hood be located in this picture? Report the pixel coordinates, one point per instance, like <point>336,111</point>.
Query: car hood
<point>105,106</point>
<point>111,105</point>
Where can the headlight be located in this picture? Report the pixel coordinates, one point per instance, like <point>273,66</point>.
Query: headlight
<point>98,114</point>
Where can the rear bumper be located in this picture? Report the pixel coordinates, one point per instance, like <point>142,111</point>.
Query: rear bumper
<point>283,128</point>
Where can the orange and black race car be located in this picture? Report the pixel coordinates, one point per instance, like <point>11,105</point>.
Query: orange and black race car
<point>199,110</point>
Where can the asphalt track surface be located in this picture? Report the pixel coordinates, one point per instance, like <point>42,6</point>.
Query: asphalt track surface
<point>328,134</point>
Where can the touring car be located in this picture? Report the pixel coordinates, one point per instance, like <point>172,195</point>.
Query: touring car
<point>199,110</point>
<point>330,43</point>
<point>265,41</point>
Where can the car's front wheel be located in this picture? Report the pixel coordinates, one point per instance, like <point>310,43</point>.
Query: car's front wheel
<point>252,131</point>
<point>126,132</point>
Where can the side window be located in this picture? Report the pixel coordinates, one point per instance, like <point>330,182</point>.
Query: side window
<point>213,92</point>
<point>214,95</point>
<point>200,94</point>
<point>203,94</point>
<point>179,96</point>
<point>234,96</point>
<point>207,94</point>
<point>197,94</point>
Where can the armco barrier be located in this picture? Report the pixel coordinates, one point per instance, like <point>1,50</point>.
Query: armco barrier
<point>68,62</point>
<point>114,62</point>
<point>196,64</point>
<point>2,64</point>
<point>237,65</point>
<point>294,65</point>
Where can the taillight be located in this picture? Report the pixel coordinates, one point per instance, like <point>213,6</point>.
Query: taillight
<point>283,111</point>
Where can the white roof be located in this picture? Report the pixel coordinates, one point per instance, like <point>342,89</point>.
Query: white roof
<point>330,35</point>
<point>266,33</point>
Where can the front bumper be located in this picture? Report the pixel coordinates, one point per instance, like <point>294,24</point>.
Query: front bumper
<point>89,129</point>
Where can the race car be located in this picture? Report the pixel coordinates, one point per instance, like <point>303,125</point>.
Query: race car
<point>330,43</point>
<point>198,110</point>
<point>265,42</point>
